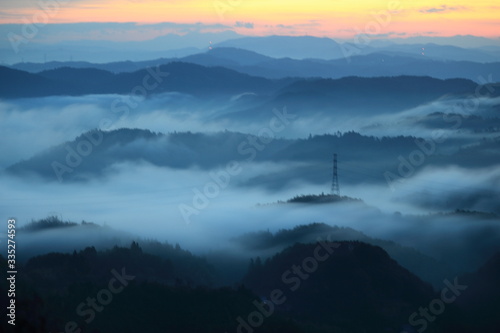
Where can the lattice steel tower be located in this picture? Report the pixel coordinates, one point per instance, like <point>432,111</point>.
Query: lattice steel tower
<point>335,179</point>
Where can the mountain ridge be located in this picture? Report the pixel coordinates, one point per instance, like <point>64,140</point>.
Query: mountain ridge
<point>377,63</point>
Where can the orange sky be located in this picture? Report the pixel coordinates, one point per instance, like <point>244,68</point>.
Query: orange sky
<point>332,18</point>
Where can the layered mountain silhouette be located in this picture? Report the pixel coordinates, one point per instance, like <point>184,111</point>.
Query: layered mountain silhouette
<point>248,97</point>
<point>329,284</point>
<point>178,77</point>
<point>301,47</point>
<point>129,277</point>
<point>186,149</point>
<point>362,96</point>
<point>207,151</point>
<point>416,130</point>
<point>427,268</point>
<point>378,63</point>
<point>359,287</point>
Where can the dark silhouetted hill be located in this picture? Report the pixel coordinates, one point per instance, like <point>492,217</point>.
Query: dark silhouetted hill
<point>357,96</point>
<point>355,287</point>
<point>325,286</point>
<point>51,235</point>
<point>369,95</point>
<point>16,84</point>
<point>479,300</point>
<point>424,266</point>
<point>173,77</point>
<point>90,80</point>
<point>320,199</point>
<point>482,300</point>
<point>132,291</point>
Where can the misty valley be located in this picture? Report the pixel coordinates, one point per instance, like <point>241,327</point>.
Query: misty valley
<point>236,191</point>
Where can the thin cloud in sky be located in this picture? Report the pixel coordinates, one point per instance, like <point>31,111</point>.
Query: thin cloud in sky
<point>313,18</point>
<point>442,9</point>
<point>247,25</point>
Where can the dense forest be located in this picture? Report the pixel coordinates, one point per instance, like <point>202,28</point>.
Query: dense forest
<point>314,285</point>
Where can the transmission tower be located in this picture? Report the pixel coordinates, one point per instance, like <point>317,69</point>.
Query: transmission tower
<point>335,179</point>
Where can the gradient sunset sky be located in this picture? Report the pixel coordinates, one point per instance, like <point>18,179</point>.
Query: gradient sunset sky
<point>329,18</point>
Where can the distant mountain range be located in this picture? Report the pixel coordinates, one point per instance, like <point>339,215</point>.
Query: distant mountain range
<point>179,77</point>
<point>303,47</point>
<point>377,63</point>
<point>172,45</point>
<point>209,81</point>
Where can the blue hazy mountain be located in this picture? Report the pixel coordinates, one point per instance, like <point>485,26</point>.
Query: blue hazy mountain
<point>380,63</point>
<point>206,80</point>
<point>287,46</point>
<point>203,159</point>
<point>179,77</point>
<point>359,96</point>
<point>445,52</point>
<point>302,47</point>
<point>206,151</point>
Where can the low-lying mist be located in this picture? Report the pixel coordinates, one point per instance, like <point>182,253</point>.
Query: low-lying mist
<point>141,201</point>
<point>440,203</point>
<point>32,125</point>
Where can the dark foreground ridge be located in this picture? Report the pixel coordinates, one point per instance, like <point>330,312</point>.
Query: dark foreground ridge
<point>325,286</point>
